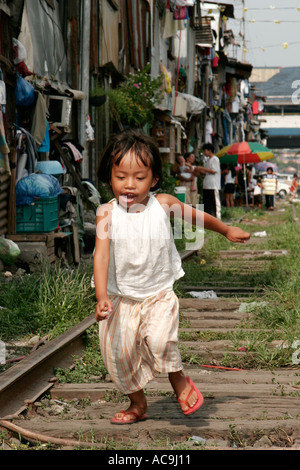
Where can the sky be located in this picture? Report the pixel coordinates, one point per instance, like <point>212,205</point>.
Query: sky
<point>272,32</point>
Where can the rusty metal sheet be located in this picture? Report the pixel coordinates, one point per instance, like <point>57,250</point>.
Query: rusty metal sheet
<point>109,28</point>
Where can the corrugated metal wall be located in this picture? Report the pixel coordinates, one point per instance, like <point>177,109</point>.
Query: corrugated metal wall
<point>135,34</point>
<point>109,27</point>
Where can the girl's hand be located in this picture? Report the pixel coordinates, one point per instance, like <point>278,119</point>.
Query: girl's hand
<point>103,309</point>
<point>237,235</point>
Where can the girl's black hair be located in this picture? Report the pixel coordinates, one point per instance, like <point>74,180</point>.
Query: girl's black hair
<point>232,169</point>
<point>144,147</point>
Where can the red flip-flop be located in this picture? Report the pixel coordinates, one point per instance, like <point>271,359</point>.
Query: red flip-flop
<point>198,403</point>
<point>130,421</point>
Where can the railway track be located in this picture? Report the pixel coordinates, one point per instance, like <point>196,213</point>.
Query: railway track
<point>241,406</point>
<point>29,379</point>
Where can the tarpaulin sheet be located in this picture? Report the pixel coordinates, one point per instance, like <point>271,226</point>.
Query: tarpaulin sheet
<point>41,34</point>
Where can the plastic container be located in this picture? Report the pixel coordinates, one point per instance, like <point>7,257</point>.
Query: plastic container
<point>180,192</point>
<point>39,217</point>
<point>51,167</point>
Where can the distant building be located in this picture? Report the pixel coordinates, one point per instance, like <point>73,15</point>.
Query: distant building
<point>280,88</point>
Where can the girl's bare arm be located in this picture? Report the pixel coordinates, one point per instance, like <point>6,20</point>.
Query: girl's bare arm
<point>101,262</point>
<point>193,216</point>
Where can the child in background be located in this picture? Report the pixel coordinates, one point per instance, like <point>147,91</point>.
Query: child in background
<point>135,266</point>
<point>293,188</point>
<point>269,188</point>
<point>229,187</point>
<point>186,172</point>
<point>257,193</point>
<point>194,189</point>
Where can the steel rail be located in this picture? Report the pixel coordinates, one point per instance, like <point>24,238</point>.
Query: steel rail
<point>26,381</point>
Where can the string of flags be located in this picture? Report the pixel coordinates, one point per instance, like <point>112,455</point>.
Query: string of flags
<point>253,20</point>
<point>271,7</point>
<point>285,44</point>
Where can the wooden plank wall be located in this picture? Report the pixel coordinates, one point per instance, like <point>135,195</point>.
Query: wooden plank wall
<point>135,34</point>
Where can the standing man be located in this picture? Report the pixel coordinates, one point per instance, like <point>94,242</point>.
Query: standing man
<point>211,182</point>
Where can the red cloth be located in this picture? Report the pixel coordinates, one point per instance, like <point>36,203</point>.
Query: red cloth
<point>215,61</point>
<point>255,107</point>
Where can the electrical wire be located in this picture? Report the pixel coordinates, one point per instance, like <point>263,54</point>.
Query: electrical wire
<point>272,9</point>
<point>273,45</point>
<point>273,21</point>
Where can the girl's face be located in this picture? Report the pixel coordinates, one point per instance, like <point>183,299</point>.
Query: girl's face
<point>191,158</point>
<point>131,181</point>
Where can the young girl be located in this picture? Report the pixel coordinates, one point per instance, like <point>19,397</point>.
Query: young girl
<point>229,187</point>
<point>257,193</point>
<point>293,188</point>
<point>135,266</point>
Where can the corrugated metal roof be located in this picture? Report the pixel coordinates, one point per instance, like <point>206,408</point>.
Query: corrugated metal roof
<point>288,131</point>
<point>280,85</point>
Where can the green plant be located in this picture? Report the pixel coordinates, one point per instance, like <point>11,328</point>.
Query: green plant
<point>168,183</point>
<point>48,302</point>
<point>135,99</point>
<point>89,365</point>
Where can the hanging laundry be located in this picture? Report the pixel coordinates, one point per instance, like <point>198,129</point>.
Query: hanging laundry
<point>89,131</point>
<point>76,154</point>
<point>45,146</point>
<point>167,79</point>
<point>39,120</point>
<point>208,131</point>
<point>182,79</point>
<point>20,56</point>
<point>235,106</point>
<point>2,92</point>
<point>245,88</point>
<point>261,105</point>
<point>180,13</point>
<point>171,26</point>
<point>184,3</point>
<point>215,62</point>
<point>161,6</point>
<point>227,88</point>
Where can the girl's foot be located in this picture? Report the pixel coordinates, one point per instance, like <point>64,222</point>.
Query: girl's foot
<point>135,412</point>
<point>187,401</point>
<point>188,396</point>
<point>129,416</point>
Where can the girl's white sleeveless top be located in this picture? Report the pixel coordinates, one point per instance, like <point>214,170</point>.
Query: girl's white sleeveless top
<point>143,256</point>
